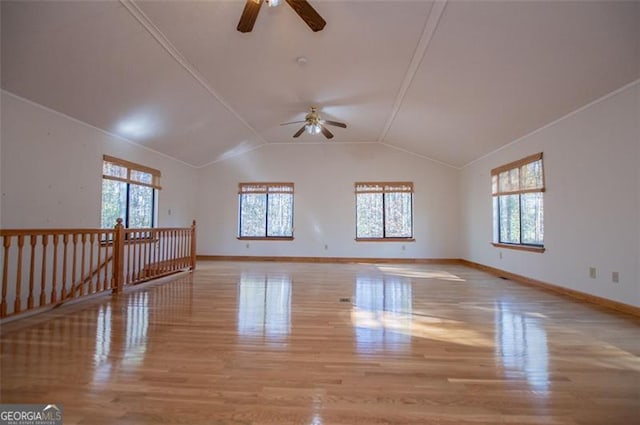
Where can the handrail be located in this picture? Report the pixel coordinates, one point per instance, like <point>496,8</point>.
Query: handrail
<point>45,267</point>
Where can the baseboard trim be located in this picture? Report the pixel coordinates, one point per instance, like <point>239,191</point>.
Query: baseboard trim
<point>328,259</point>
<point>583,296</point>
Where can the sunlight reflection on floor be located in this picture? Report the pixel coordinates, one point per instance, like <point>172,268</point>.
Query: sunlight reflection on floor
<point>408,271</point>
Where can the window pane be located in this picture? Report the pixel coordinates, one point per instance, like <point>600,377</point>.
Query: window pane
<point>398,215</point>
<point>114,202</point>
<point>509,180</point>
<point>253,211</point>
<point>532,218</point>
<point>369,215</point>
<point>140,206</point>
<point>141,177</point>
<point>510,219</point>
<point>531,175</point>
<point>111,169</point>
<point>280,219</point>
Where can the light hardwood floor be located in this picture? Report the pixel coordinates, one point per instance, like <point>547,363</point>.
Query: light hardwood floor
<point>322,344</point>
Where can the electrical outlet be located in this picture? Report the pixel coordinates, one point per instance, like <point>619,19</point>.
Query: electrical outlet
<point>615,277</point>
<point>247,246</point>
<point>326,247</point>
<point>500,255</point>
<point>404,247</point>
<point>592,272</point>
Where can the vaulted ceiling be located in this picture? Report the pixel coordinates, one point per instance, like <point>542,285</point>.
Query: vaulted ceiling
<point>447,80</point>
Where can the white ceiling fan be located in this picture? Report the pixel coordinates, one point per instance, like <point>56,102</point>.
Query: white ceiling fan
<point>314,124</point>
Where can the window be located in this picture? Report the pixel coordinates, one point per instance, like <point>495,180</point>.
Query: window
<point>518,208</point>
<point>383,211</point>
<point>265,210</point>
<point>128,192</point>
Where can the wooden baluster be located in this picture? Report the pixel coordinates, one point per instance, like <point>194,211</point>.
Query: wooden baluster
<point>172,242</point>
<point>3,304</point>
<point>179,253</point>
<point>136,261</point>
<point>65,244</point>
<point>98,281</point>
<point>176,249</point>
<point>43,271</point>
<point>33,239</point>
<point>154,251</point>
<point>183,255</point>
<point>193,245</point>
<point>130,248</point>
<point>160,250</point>
<point>54,282</point>
<point>141,255</point>
<point>172,250</point>
<point>105,281</point>
<point>143,242</point>
<point>145,255</point>
<point>17,303</point>
<point>118,257</point>
<point>168,249</point>
<point>72,291</point>
<point>90,287</point>
<point>83,238</point>
<point>164,247</point>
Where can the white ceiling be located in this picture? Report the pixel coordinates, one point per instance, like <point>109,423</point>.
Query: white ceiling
<point>448,80</point>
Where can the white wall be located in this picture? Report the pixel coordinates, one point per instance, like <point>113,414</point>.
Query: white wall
<point>324,201</point>
<point>52,171</point>
<point>592,201</point>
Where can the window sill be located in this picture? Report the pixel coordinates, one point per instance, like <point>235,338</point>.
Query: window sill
<point>265,238</point>
<point>385,240</point>
<point>538,249</point>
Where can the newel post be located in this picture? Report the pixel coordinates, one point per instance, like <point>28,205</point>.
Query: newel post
<point>193,245</point>
<point>117,281</point>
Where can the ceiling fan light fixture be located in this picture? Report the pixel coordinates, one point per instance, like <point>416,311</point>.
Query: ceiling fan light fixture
<point>313,128</point>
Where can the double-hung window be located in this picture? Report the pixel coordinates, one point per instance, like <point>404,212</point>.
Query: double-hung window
<point>518,207</point>
<point>129,191</point>
<point>265,210</point>
<point>384,210</point>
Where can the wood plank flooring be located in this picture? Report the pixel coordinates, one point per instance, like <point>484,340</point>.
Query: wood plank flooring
<point>241,343</point>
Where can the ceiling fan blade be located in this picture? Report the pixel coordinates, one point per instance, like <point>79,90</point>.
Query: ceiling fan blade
<point>292,122</point>
<point>326,132</point>
<point>336,123</point>
<point>299,132</point>
<point>249,15</point>
<point>308,14</point>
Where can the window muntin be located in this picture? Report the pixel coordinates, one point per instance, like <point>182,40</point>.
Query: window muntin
<point>518,203</point>
<point>265,210</point>
<point>128,192</point>
<point>384,210</point>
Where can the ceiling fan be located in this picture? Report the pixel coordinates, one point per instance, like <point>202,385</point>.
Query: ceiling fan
<point>301,7</point>
<point>313,124</point>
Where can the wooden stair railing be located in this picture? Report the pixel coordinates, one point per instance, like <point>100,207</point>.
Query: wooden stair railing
<point>50,266</point>
<point>90,276</point>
